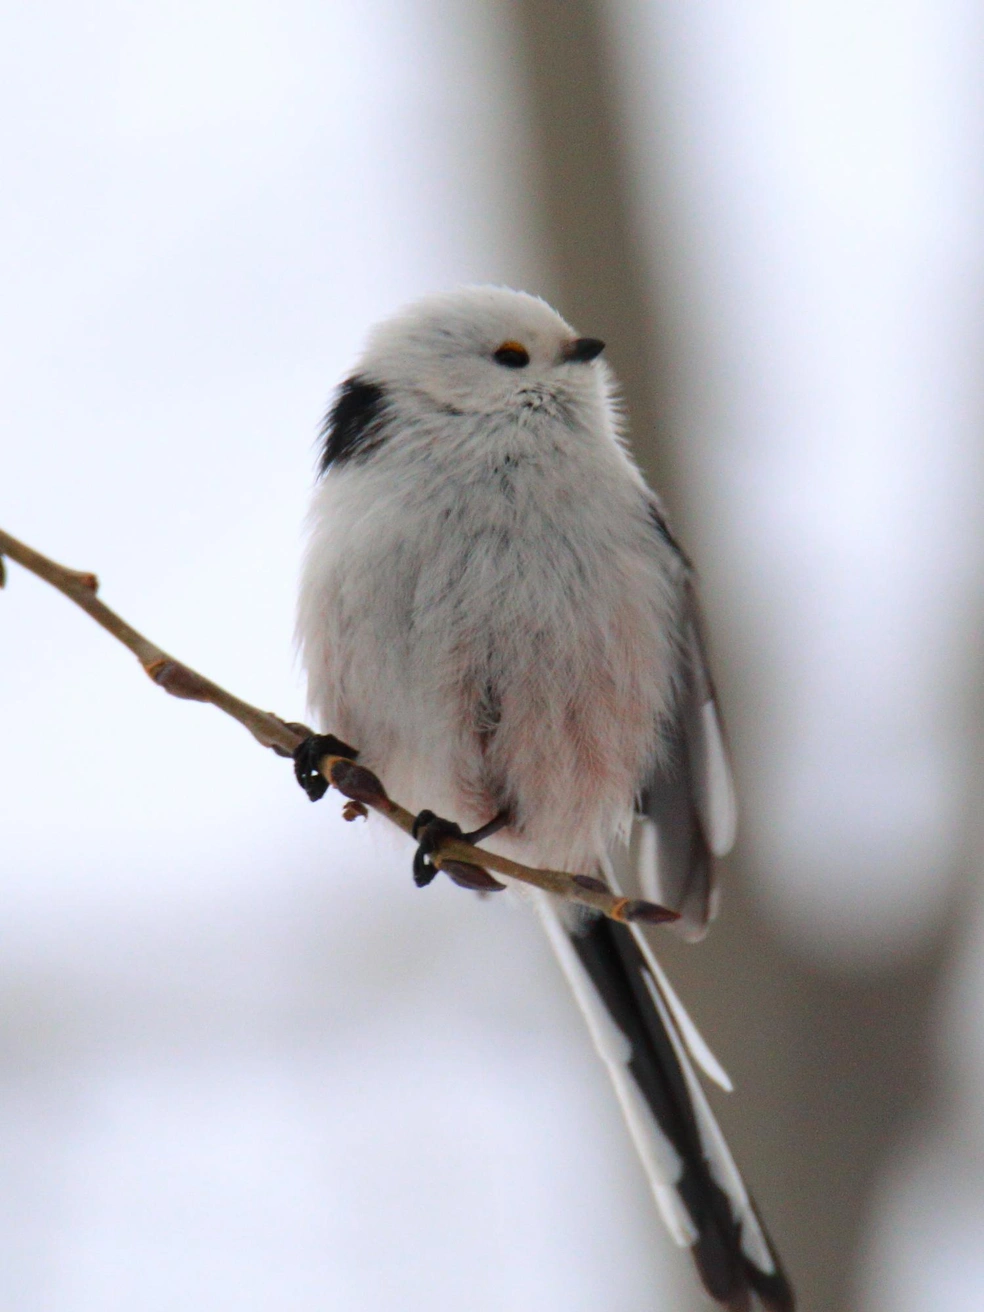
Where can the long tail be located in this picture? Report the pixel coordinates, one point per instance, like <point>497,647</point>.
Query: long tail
<point>650,1045</point>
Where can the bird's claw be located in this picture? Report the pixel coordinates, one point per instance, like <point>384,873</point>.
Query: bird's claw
<point>306,757</point>
<point>430,831</point>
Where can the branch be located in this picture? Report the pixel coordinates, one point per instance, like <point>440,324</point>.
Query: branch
<point>359,785</point>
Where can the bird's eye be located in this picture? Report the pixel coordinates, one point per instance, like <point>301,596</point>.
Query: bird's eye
<point>513,355</point>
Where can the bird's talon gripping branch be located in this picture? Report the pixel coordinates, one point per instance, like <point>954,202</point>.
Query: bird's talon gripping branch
<point>430,831</point>
<point>307,756</point>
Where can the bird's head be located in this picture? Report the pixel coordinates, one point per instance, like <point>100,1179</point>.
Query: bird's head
<point>485,350</point>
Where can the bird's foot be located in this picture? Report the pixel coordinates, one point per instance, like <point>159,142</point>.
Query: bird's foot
<point>431,830</point>
<point>307,756</point>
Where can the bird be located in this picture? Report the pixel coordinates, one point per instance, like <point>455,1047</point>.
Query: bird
<point>494,610</point>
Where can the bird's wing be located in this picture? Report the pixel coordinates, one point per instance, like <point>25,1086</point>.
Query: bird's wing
<point>646,1041</point>
<point>687,811</point>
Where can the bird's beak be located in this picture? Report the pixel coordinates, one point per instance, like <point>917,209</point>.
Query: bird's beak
<point>581,350</point>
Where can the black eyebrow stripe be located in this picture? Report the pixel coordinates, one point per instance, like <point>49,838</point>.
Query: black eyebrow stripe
<point>354,424</point>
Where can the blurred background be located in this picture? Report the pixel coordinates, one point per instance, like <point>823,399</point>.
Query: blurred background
<point>243,1062</point>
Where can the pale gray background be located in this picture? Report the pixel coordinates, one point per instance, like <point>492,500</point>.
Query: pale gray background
<point>243,1063</point>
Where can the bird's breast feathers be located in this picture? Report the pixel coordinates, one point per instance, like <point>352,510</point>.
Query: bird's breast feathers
<point>442,611</point>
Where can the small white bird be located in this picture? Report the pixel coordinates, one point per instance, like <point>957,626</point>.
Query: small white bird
<point>495,612</point>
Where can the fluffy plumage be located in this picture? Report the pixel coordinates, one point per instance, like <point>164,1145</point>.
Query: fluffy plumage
<point>495,612</point>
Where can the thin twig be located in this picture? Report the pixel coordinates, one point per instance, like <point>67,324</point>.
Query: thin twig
<point>359,785</point>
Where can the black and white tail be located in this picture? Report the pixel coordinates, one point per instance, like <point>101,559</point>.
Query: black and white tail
<point>650,1046</point>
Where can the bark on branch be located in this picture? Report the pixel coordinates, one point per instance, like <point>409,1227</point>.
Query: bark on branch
<point>353,781</point>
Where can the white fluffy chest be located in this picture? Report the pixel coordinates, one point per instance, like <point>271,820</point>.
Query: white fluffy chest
<point>493,633</point>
